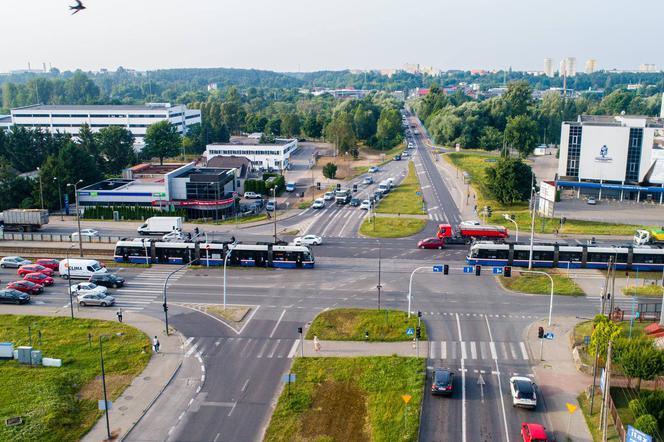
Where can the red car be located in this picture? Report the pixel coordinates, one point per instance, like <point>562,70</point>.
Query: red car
<point>431,243</point>
<point>26,287</point>
<point>533,433</point>
<point>39,278</point>
<point>52,264</point>
<point>34,268</point>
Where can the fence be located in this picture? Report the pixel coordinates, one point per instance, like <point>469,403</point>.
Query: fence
<point>58,237</point>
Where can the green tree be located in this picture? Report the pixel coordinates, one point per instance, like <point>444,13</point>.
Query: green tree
<point>388,132</point>
<point>88,142</point>
<point>162,140</point>
<point>340,132</point>
<point>604,331</point>
<point>116,145</point>
<point>509,181</point>
<point>312,126</point>
<point>647,423</point>
<point>290,125</point>
<point>641,360</point>
<point>521,133</point>
<point>491,138</point>
<point>519,97</point>
<point>330,171</point>
<point>365,123</point>
<point>273,126</point>
<point>233,115</point>
<point>13,188</point>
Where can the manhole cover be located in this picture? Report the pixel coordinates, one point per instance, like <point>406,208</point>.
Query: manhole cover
<point>129,397</point>
<point>147,378</point>
<point>123,408</point>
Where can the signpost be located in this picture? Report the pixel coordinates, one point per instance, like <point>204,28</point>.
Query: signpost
<point>288,378</point>
<point>438,269</point>
<point>104,405</point>
<point>497,270</point>
<point>571,408</point>
<point>468,269</point>
<point>410,331</point>
<point>548,336</point>
<point>634,435</point>
<point>406,398</point>
<point>586,340</point>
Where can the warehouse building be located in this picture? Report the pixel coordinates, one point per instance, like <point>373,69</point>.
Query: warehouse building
<point>263,156</point>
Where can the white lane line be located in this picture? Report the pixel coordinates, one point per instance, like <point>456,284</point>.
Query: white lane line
<point>463,387</point>
<point>524,353</point>
<point>500,383</point>
<point>443,350</point>
<point>191,350</point>
<point>216,438</point>
<point>293,349</point>
<point>277,324</point>
<point>244,387</point>
<point>473,350</point>
<point>432,349</point>
<point>464,354</point>
<point>232,408</point>
<point>350,218</point>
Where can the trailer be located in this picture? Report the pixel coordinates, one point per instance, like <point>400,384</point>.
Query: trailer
<point>469,231</point>
<point>24,220</point>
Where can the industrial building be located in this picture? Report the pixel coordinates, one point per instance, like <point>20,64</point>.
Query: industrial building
<point>263,156</point>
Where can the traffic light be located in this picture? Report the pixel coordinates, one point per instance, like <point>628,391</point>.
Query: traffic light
<point>338,186</point>
<point>318,185</point>
<point>478,270</point>
<point>489,211</point>
<point>165,307</point>
<point>366,335</point>
<point>540,332</point>
<point>446,269</point>
<point>419,313</point>
<point>507,271</point>
<point>418,332</point>
<point>299,330</point>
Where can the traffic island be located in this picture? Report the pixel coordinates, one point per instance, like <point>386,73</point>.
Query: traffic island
<point>534,284</point>
<point>235,316</point>
<point>391,226</point>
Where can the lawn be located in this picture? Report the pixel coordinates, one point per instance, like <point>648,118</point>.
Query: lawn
<point>541,285</point>
<point>403,198</point>
<point>305,204</point>
<point>242,219</point>
<point>585,328</point>
<point>392,227</point>
<point>643,290</point>
<point>60,404</point>
<point>593,421</point>
<point>350,399</point>
<point>350,324</point>
<point>389,154</point>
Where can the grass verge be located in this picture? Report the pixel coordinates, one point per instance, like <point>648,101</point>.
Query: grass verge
<point>240,220</point>
<point>541,285</point>
<point>643,290</point>
<point>305,204</point>
<point>585,328</point>
<point>392,227</point>
<point>350,399</point>
<point>60,404</point>
<point>389,154</point>
<point>113,264</point>
<point>592,421</point>
<point>403,199</point>
<point>350,324</point>
<point>571,226</point>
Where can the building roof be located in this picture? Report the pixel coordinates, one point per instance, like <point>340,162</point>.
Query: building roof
<point>124,185</point>
<point>619,120</point>
<point>92,107</point>
<point>202,171</point>
<point>246,141</point>
<point>243,164</point>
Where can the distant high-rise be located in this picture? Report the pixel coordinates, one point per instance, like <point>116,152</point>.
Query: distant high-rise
<point>591,65</point>
<point>548,67</point>
<point>647,67</point>
<point>567,67</point>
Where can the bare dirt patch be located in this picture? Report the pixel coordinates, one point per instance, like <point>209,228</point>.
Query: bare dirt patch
<point>115,382</point>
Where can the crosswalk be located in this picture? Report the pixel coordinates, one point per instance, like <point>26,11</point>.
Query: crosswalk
<point>437,217</point>
<point>478,350</point>
<point>244,348</point>
<point>144,289</point>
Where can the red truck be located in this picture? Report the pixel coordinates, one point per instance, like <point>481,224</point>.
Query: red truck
<point>468,231</point>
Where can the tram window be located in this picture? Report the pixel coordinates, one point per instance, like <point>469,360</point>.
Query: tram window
<point>647,258</point>
<point>493,254</point>
<point>543,255</point>
<point>278,256</point>
<point>599,257</point>
<point>570,256</point>
<point>247,255</point>
<point>521,254</point>
<point>620,257</point>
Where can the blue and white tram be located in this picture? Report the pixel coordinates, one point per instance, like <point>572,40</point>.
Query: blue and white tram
<point>557,255</point>
<point>141,251</point>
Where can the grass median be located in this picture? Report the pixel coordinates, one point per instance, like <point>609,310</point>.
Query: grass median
<point>541,284</point>
<point>392,227</point>
<point>350,399</point>
<point>649,290</point>
<point>350,324</point>
<point>60,404</point>
<point>404,199</point>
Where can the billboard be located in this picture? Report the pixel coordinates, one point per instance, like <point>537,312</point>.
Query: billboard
<point>603,153</point>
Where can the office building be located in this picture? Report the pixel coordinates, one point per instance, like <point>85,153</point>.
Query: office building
<point>548,67</point>
<point>272,156</point>
<point>591,65</point>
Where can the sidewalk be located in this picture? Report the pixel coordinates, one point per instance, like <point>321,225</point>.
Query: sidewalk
<point>137,398</point>
<point>359,348</point>
<point>558,379</point>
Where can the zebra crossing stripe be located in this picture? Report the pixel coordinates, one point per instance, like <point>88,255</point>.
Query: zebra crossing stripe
<point>443,350</point>
<point>293,349</point>
<point>524,353</point>
<point>492,347</point>
<point>473,350</point>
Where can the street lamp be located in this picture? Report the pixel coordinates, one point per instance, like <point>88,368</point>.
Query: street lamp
<point>537,272</point>
<point>509,218</point>
<point>41,189</point>
<point>532,226</point>
<point>274,196</point>
<point>103,383</point>
<point>78,216</point>
<point>62,216</point>
<point>410,286</point>
<point>379,286</point>
<point>165,304</point>
<point>71,302</point>
<point>226,256</point>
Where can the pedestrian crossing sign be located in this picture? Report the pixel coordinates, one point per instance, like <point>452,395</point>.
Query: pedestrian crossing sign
<point>497,270</point>
<point>468,269</point>
<point>410,331</point>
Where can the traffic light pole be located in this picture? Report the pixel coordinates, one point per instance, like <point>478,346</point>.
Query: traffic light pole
<point>537,272</point>
<point>410,286</point>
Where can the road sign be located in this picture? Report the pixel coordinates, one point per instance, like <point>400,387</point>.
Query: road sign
<point>586,340</point>
<point>288,378</point>
<point>497,270</point>
<point>571,408</point>
<point>438,269</point>
<point>418,193</point>
<point>410,331</point>
<point>468,269</point>
<point>406,398</point>
<point>548,335</point>
<point>102,406</point>
<point>634,435</point>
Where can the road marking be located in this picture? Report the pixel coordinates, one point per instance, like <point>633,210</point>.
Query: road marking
<point>500,384</point>
<point>464,354</point>
<point>216,438</point>
<point>244,387</point>
<point>262,350</point>
<point>463,386</point>
<point>293,349</point>
<point>277,324</point>
<point>473,350</point>
<point>191,350</point>
<point>432,349</point>
<point>232,408</point>
<point>187,342</point>
<point>443,350</point>
<point>524,353</point>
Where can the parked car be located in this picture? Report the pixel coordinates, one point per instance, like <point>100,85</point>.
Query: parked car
<point>431,243</point>
<point>290,187</point>
<point>52,264</point>
<point>26,287</point>
<point>365,205</point>
<point>533,433</point>
<point>443,381</point>
<point>110,280</point>
<point>378,195</point>
<point>354,202</point>
<point>592,201</point>
<point>39,278</point>
<point>308,240</point>
<point>523,392</point>
<point>87,288</point>
<point>34,268</point>
<point>373,169</point>
<point>405,154</point>
<point>101,299</point>
<point>319,203</point>
<point>271,206</point>
<point>329,196</point>
<point>368,180</point>
<point>252,195</point>
<point>86,233</point>
<point>397,157</point>
<point>11,296</point>
<point>175,235</point>
<point>13,262</point>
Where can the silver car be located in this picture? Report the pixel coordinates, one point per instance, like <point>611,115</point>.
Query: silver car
<point>13,262</point>
<point>95,299</point>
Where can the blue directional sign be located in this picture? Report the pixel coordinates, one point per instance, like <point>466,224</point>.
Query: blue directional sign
<point>634,435</point>
<point>288,378</point>
<point>497,270</point>
<point>468,269</point>
<point>586,340</point>
<point>418,193</point>
<point>548,335</point>
<point>438,269</point>
<point>410,331</point>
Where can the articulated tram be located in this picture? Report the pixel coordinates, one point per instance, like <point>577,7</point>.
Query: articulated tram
<point>143,251</point>
<point>567,256</point>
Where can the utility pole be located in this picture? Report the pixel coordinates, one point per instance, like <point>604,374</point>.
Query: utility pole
<point>607,393</point>
<point>274,195</point>
<point>613,287</point>
<point>604,292</point>
<point>532,222</point>
<point>379,286</point>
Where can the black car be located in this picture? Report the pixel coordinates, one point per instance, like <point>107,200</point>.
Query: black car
<point>107,280</point>
<point>11,296</point>
<point>443,381</point>
<point>355,202</point>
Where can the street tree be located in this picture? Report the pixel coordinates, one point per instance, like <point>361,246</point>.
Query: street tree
<point>509,181</point>
<point>312,126</point>
<point>521,133</point>
<point>604,331</point>
<point>388,131</point>
<point>330,171</point>
<point>290,124</point>
<point>340,132</point>
<point>491,138</point>
<point>162,140</point>
<point>640,359</point>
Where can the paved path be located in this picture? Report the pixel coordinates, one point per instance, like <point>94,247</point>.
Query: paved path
<point>359,348</point>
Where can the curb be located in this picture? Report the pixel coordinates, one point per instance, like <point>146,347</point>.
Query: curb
<point>269,222</point>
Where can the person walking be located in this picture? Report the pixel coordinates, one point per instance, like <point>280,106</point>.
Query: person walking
<point>316,344</point>
<point>119,313</point>
<point>155,344</point>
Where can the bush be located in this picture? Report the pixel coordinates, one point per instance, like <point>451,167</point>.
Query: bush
<point>653,403</point>
<point>330,171</point>
<point>646,423</point>
<point>129,212</point>
<point>636,407</point>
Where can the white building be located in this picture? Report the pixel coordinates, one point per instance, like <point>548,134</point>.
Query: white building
<point>135,118</point>
<point>567,67</point>
<point>647,67</point>
<point>548,67</point>
<point>591,65</point>
<point>262,156</point>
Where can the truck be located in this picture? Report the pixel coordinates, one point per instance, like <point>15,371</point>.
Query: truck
<point>646,237</point>
<point>468,231</point>
<point>342,196</point>
<point>23,220</point>
<point>160,225</point>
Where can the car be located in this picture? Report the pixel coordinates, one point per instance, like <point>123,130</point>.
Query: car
<point>592,201</point>
<point>52,264</point>
<point>101,299</point>
<point>13,262</point>
<point>368,180</point>
<point>354,202</point>
<point>397,157</point>
<point>443,381</point>
<point>329,196</point>
<point>88,233</point>
<point>271,206</point>
<point>378,195</point>
<point>11,296</point>
<point>410,145</point>
<point>523,392</point>
<point>252,195</point>
<point>110,280</point>
<point>373,169</point>
<point>34,268</point>
<point>405,154</point>
<point>290,187</point>
<point>308,240</point>
<point>431,243</point>
<point>365,205</point>
<point>88,288</point>
<point>39,278</point>
<point>175,235</point>
<point>533,432</point>
<point>319,203</point>
<point>26,287</point>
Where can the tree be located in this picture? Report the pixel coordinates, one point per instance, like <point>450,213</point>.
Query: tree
<point>647,423</point>
<point>519,97</point>
<point>604,331</point>
<point>491,138</point>
<point>509,181</point>
<point>388,132</point>
<point>273,126</point>
<point>233,115</point>
<point>290,125</point>
<point>641,360</point>
<point>340,132</point>
<point>521,132</point>
<point>365,122</point>
<point>116,145</point>
<point>162,140</point>
<point>330,171</point>
<point>312,126</point>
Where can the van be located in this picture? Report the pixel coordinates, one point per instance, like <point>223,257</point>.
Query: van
<point>290,187</point>
<point>384,187</point>
<point>80,268</point>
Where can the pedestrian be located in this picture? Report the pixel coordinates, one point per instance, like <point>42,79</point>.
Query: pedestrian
<point>155,344</point>
<point>119,313</point>
<point>316,344</point>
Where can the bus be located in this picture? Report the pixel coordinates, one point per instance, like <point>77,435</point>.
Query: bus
<point>142,251</point>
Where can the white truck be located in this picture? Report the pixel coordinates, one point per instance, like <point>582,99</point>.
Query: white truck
<point>160,225</point>
<point>23,220</point>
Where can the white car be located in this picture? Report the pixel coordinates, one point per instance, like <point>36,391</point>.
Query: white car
<point>365,205</point>
<point>523,392</point>
<point>308,240</point>
<point>252,195</point>
<point>175,235</point>
<point>88,288</point>
<point>329,196</point>
<point>373,169</point>
<point>368,180</point>
<point>405,154</point>
<point>14,262</point>
<point>319,203</point>
<point>86,233</point>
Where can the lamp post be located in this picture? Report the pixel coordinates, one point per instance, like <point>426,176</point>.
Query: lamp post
<point>509,218</point>
<point>537,272</point>
<point>379,286</point>
<point>165,304</point>
<point>41,189</point>
<point>532,225</point>
<point>78,216</point>
<point>71,302</point>
<point>226,256</point>
<point>274,197</point>
<point>103,383</point>
<point>62,216</point>
<point>410,286</point>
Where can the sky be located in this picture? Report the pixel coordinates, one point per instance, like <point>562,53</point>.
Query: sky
<point>310,35</point>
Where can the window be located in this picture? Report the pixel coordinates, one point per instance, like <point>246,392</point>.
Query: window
<point>573,150</point>
<point>570,256</point>
<point>493,254</point>
<point>634,154</point>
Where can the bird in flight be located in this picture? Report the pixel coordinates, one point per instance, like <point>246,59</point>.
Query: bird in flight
<point>77,7</point>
